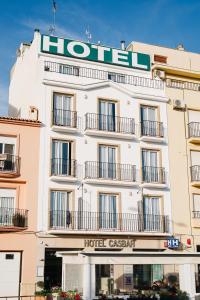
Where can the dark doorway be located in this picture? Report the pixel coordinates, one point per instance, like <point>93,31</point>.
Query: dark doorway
<point>52,269</point>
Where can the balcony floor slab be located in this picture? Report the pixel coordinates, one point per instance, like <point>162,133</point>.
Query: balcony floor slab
<point>66,129</point>
<point>110,134</point>
<point>106,233</point>
<point>153,185</point>
<point>110,182</point>
<point>152,139</point>
<point>63,178</point>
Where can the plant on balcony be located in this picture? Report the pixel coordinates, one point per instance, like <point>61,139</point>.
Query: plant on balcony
<point>56,290</point>
<point>43,294</point>
<point>19,220</point>
<point>70,295</point>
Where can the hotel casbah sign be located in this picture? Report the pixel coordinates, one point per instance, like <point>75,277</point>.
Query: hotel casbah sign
<point>109,243</point>
<point>92,52</point>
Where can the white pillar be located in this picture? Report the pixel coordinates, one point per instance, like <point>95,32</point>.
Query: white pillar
<point>187,279</point>
<point>63,275</point>
<point>93,282</point>
<point>86,279</point>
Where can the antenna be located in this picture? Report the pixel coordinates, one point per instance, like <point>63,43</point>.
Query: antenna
<point>88,34</point>
<point>52,28</point>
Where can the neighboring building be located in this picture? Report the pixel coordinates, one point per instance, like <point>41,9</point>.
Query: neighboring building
<point>104,201</point>
<point>180,70</point>
<point>19,154</point>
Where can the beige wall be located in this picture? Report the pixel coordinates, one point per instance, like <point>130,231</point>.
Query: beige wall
<point>26,185</point>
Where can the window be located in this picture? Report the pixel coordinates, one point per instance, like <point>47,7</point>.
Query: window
<point>107,161</point>
<point>7,151</point>
<point>7,206</point>
<point>107,211</point>
<point>196,205</point>
<point>107,112</point>
<point>152,212</point>
<point>62,110</point>
<point>120,78</point>
<point>149,124</point>
<point>69,70</point>
<point>150,163</point>
<point>195,165</point>
<point>61,158</point>
<point>60,209</point>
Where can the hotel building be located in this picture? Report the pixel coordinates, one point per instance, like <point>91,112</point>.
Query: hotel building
<point>105,186</point>
<point>18,205</point>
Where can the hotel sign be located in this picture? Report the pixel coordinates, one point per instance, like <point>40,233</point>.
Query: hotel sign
<point>96,53</point>
<point>110,243</point>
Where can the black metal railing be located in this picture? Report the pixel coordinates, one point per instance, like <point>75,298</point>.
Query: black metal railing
<point>152,128</point>
<point>110,171</point>
<point>194,129</point>
<point>104,221</point>
<point>13,217</point>
<point>17,297</point>
<point>181,84</point>
<point>63,167</point>
<point>153,175</point>
<point>62,117</point>
<point>9,163</point>
<point>109,123</point>
<point>195,173</point>
<point>196,214</point>
<point>102,75</point>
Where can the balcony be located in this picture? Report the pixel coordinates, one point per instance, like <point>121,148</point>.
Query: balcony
<point>194,132</point>
<point>152,131</point>
<point>110,173</point>
<point>153,177</point>
<point>109,126</point>
<point>9,165</point>
<point>195,175</point>
<point>196,219</point>
<point>13,219</point>
<point>103,222</point>
<point>76,71</point>
<point>64,121</point>
<point>63,169</point>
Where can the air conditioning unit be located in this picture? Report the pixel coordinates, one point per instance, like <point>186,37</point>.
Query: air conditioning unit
<point>178,104</point>
<point>159,73</point>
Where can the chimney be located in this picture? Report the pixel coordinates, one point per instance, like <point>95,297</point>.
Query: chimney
<point>122,45</point>
<point>180,47</point>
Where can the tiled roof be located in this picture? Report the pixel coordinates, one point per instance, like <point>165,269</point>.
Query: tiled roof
<point>19,120</point>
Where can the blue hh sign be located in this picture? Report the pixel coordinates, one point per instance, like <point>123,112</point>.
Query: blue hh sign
<point>173,243</point>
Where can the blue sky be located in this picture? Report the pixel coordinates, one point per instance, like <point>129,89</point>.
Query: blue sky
<point>163,22</point>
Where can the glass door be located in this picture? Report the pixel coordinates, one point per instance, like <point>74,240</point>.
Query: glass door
<point>151,211</point>
<point>61,158</point>
<point>150,165</point>
<point>62,110</point>
<point>148,120</point>
<point>107,162</point>
<point>107,211</point>
<point>60,209</point>
<point>107,115</point>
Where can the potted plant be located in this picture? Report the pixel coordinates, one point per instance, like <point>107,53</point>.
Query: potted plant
<point>18,220</point>
<point>55,290</point>
<point>43,294</point>
<point>70,295</point>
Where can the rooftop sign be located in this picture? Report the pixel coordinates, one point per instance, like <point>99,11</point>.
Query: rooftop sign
<point>92,52</point>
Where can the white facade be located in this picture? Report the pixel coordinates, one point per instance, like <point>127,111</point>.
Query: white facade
<point>38,88</point>
<point>36,79</point>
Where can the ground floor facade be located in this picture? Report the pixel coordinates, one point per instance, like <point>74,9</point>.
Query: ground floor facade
<point>110,264</point>
<point>115,265</point>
